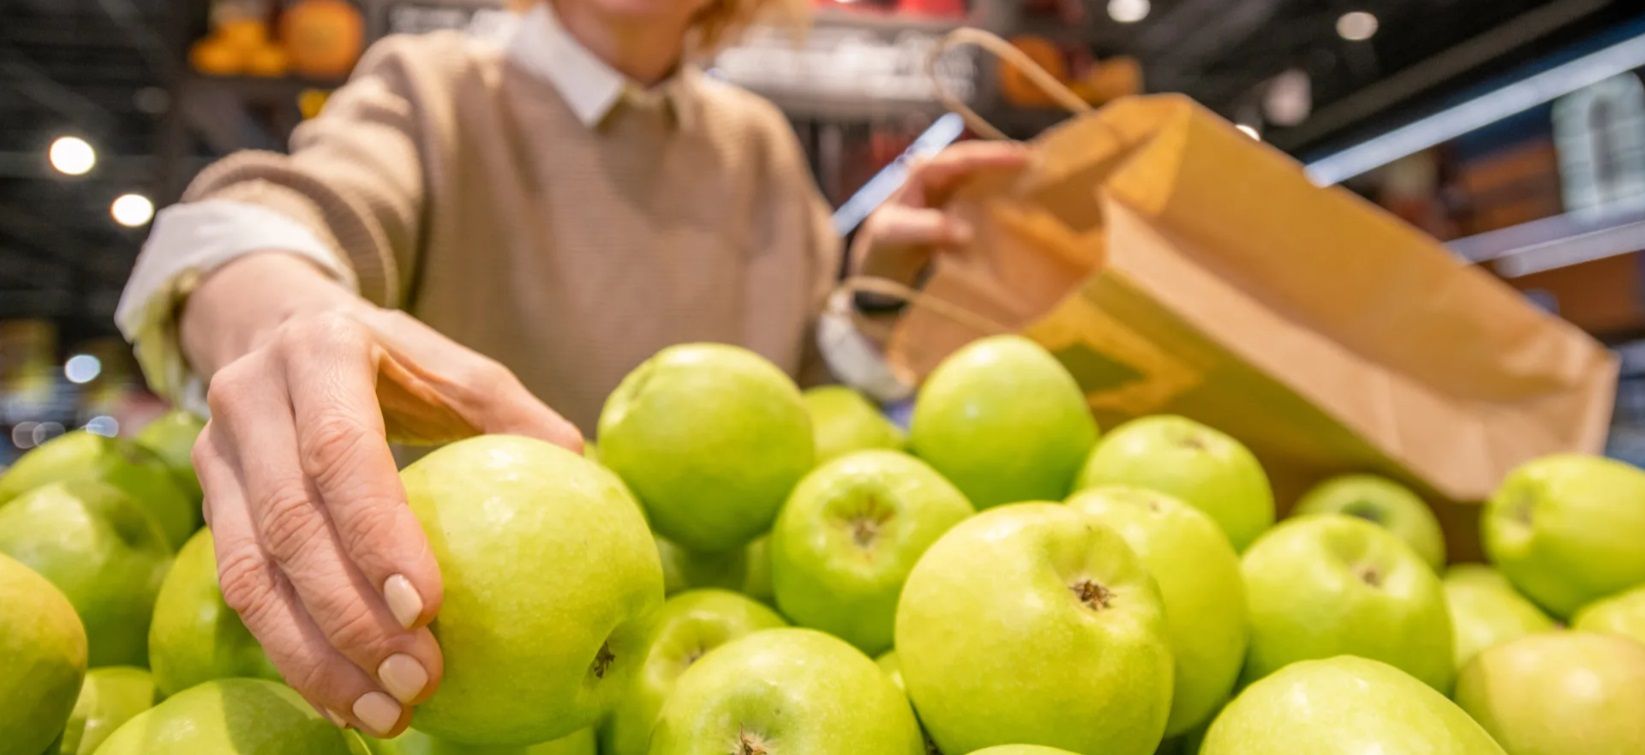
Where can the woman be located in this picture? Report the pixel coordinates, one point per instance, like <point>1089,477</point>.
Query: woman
<point>565,203</point>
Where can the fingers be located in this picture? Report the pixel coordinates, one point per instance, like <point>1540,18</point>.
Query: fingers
<point>919,227</point>
<point>930,182</point>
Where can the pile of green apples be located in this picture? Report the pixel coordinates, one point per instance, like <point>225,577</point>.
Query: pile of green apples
<point>744,568</point>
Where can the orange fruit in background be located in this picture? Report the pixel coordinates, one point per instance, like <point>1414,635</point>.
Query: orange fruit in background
<point>323,37</point>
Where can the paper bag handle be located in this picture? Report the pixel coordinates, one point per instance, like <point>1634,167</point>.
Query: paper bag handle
<point>954,313</point>
<point>1012,56</point>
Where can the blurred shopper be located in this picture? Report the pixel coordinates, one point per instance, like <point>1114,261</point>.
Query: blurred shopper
<point>474,236</point>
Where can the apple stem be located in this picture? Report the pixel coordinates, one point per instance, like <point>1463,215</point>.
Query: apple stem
<point>1092,594</point>
<point>603,661</point>
<point>749,743</point>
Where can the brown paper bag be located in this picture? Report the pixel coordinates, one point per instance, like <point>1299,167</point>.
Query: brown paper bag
<point>1175,265</point>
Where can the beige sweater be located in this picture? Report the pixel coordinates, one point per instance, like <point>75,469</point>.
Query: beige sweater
<point>464,190</point>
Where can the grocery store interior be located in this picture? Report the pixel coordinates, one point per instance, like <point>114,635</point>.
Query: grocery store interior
<point>1513,131</point>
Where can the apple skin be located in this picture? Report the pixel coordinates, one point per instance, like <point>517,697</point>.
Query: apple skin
<point>1566,530</point>
<point>848,536</point>
<point>1003,420</point>
<point>1034,624</point>
<point>1198,574</point>
<point>1383,502</point>
<point>892,667</point>
<point>42,658</point>
<point>782,691</point>
<point>757,579</point>
<point>121,463</point>
<point>102,550</point>
<point>232,717</point>
<point>1329,584</point>
<point>413,742</point>
<point>1203,467</point>
<point>1623,613</point>
<point>710,438</point>
<point>677,635</point>
<point>1021,750</point>
<point>843,420</point>
<point>1486,611</point>
<point>689,570</point>
<point>548,570</point>
<point>171,437</point>
<point>111,696</point>
<point>1559,693</point>
<point>195,636</point>
<point>1344,706</point>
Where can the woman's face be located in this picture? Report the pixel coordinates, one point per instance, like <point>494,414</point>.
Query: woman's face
<point>672,12</point>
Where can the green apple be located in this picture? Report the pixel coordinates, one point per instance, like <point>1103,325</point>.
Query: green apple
<point>842,421</point>
<point>232,717</point>
<point>1566,530</point>
<point>1486,611</point>
<point>1329,584</point>
<point>1382,502</point>
<point>688,570</point>
<point>1005,421</point>
<point>171,437</point>
<point>111,696</point>
<point>892,667</point>
<point>548,572</point>
<point>1034,624</point>
<point>1199,465</point>
<point>782,692</point>
<point>1343,706</point>
<point>757,580</point>
<point>100,548</point>
<point>195,637</point>
<point>1559,693</point>
<point>848,536</point>
<point>124,464</point>
<point>711,438</point>
<point>1623,613</point>
<point>42,658</point>
<point>677,635</point>
<point>413,742</point>
<point>1198,575</point>
<point>1021,750</point>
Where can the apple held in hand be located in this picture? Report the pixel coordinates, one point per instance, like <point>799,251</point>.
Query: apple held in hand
<point>1559,693</point>
<point>1486,611</point>
<point>1198,575</point>
<point>1622,614</point>
<point>848,536</point>
<point>785,692</point>
<point>1382,502</point>
<point>676,636</point>
<point>1566,530</point>
<point>843,420</point>
<point>1329,585</point>
<point>1034,624</point>
<point>232,717</point>
<point>1003,420</point>
<point>711,438</point>
<point>120,463</point>
<point>1343,706</point>
<point>1199,465</point>
<point>42,658</point>
<point>195,636</point>
<point>548,571</point>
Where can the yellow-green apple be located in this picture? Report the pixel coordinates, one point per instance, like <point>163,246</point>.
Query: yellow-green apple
<point>1485,610</point>
<point>1003,420</point>
<point>889,664</point>
<point>1559,693</point>
<point>1566,530</point>
<point>843,420</point>
<point>232,717</point>
<point>1343,706</point>
<point>689,570</point>
<point>111,696</point>
<point>785,692</point>
<point>1021,750</point>
<point>848,536</point>
<point>1199,465</point>
<point>195,636</point>
<point>171,437</point>
<point>122,463</point>
<point>711,438</point>
<point>757,580</point>
<point>42,658</point>
<point>413,742</point>
<point>1623,613</point>
<point>102,550</point>
<point>1034,624</point>
<point>548,571</point>
<point>676,636</point>
<point>1329,585</point>
<point>1382,502</point>
<point>1198,575</point>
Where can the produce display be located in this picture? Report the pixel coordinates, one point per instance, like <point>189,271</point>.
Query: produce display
<point>749,569</point>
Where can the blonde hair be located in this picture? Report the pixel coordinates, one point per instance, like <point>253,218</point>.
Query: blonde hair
<point>720,21</point>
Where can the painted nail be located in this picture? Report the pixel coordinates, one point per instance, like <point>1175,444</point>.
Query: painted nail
<point>403,600</point>
<point>377,712</point>
<point>403,677</point>
<point>336,718</point>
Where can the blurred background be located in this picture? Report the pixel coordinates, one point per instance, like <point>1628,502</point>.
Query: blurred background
<point>1513,130</point>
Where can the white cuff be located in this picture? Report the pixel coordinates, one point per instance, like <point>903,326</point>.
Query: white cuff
<point>852,357</point>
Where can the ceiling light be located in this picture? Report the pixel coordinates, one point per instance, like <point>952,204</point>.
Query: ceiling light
<point>1357,26</point>
<point>82,368</point>
<point>1128,11</point>
<point>72,156</point>
<point>132,210</point>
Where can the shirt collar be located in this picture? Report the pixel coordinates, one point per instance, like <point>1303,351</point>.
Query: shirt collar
<point>542,47</point>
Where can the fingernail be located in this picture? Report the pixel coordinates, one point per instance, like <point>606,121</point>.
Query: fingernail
<point>403,600</point>
<point>403,677</point>
<point>377,711</point>
<point>336,718</point>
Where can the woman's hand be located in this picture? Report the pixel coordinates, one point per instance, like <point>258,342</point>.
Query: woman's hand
<point>897,241</point>
<point>316,548</point>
